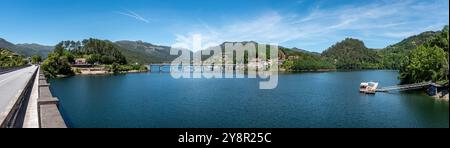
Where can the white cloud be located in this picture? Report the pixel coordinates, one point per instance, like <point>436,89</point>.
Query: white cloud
<point>134,15</point>
<point>383,20</point>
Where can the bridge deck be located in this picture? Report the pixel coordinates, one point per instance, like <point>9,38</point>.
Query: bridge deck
<point>11,86</point>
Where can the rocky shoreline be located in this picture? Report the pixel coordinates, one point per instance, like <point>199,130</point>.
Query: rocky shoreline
<point>441,98</point>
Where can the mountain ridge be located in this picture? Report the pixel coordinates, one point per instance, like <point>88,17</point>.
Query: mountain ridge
<point>26,49</point>
<point>145,53</point>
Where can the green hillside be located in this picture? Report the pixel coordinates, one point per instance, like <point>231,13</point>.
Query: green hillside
<point>145,53</point>
<point>10,59</point>
<point>352,54</point>
<point>392,56</point>
<point>26,50</point>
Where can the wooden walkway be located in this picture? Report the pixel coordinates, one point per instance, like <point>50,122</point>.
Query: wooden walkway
<point>405,87</point>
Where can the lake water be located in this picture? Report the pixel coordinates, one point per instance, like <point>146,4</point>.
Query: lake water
<point>328,99</point>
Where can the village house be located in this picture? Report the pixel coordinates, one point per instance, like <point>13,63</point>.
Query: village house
<point>81,62</point>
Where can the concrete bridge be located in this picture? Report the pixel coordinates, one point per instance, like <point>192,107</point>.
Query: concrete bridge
<point>200,67</point>
<point>26,100</point>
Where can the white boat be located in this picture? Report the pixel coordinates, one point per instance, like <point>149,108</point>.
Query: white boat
<point>368,87</point>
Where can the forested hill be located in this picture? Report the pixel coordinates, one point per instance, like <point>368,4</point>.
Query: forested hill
<point>393,55</point>
<point>352,54</point>
<point>142,52</point>
<point>295,59</point>
<point>428,62</point>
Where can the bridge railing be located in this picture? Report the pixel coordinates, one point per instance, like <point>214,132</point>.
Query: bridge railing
<point>48,111</point>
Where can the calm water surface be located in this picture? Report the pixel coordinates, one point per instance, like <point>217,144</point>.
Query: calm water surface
<point>329,99</point>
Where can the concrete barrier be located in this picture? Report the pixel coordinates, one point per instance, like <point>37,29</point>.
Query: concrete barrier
<point>49,115</point>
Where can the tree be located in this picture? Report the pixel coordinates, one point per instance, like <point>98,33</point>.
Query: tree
<point>93,58</point>
<point>70,56</point>
<point>105,59</point>
<point>36,59</point>
<point>9,59</point>
<point>307,62</point>
<point>99,51</point>
<point>59,49</point>
<point>428,62</point>
<point>288,65</point>
<point>440,40</point>
<point>57,64</point>
<point>424,64</point>
<point>115,68</point>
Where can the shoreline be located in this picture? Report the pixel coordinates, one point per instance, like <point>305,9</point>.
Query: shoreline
<point>109,73</point>
<point>316,70</point>
<point>438,97</point>
<point>101,70</point>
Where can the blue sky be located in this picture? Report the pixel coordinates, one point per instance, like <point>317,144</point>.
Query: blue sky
<point>309,24</point>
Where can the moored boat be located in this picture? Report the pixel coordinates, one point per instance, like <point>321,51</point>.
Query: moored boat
<point>368,87</point>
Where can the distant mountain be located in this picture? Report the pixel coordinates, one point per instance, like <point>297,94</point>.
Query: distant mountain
<point>245,43</point>
<point>392,56</point>
<point>305,51</point>
<point>5,44</point>
<point>352,54</point>
<point>26,49</point>
<point>36,49</point>
<point>294,59</point>
<point>142,52</point>
<point>36,46</point>
<point>283,53</point>
<point>297,59</point>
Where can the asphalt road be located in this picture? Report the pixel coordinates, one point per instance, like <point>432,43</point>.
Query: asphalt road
<point>12,83</point>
